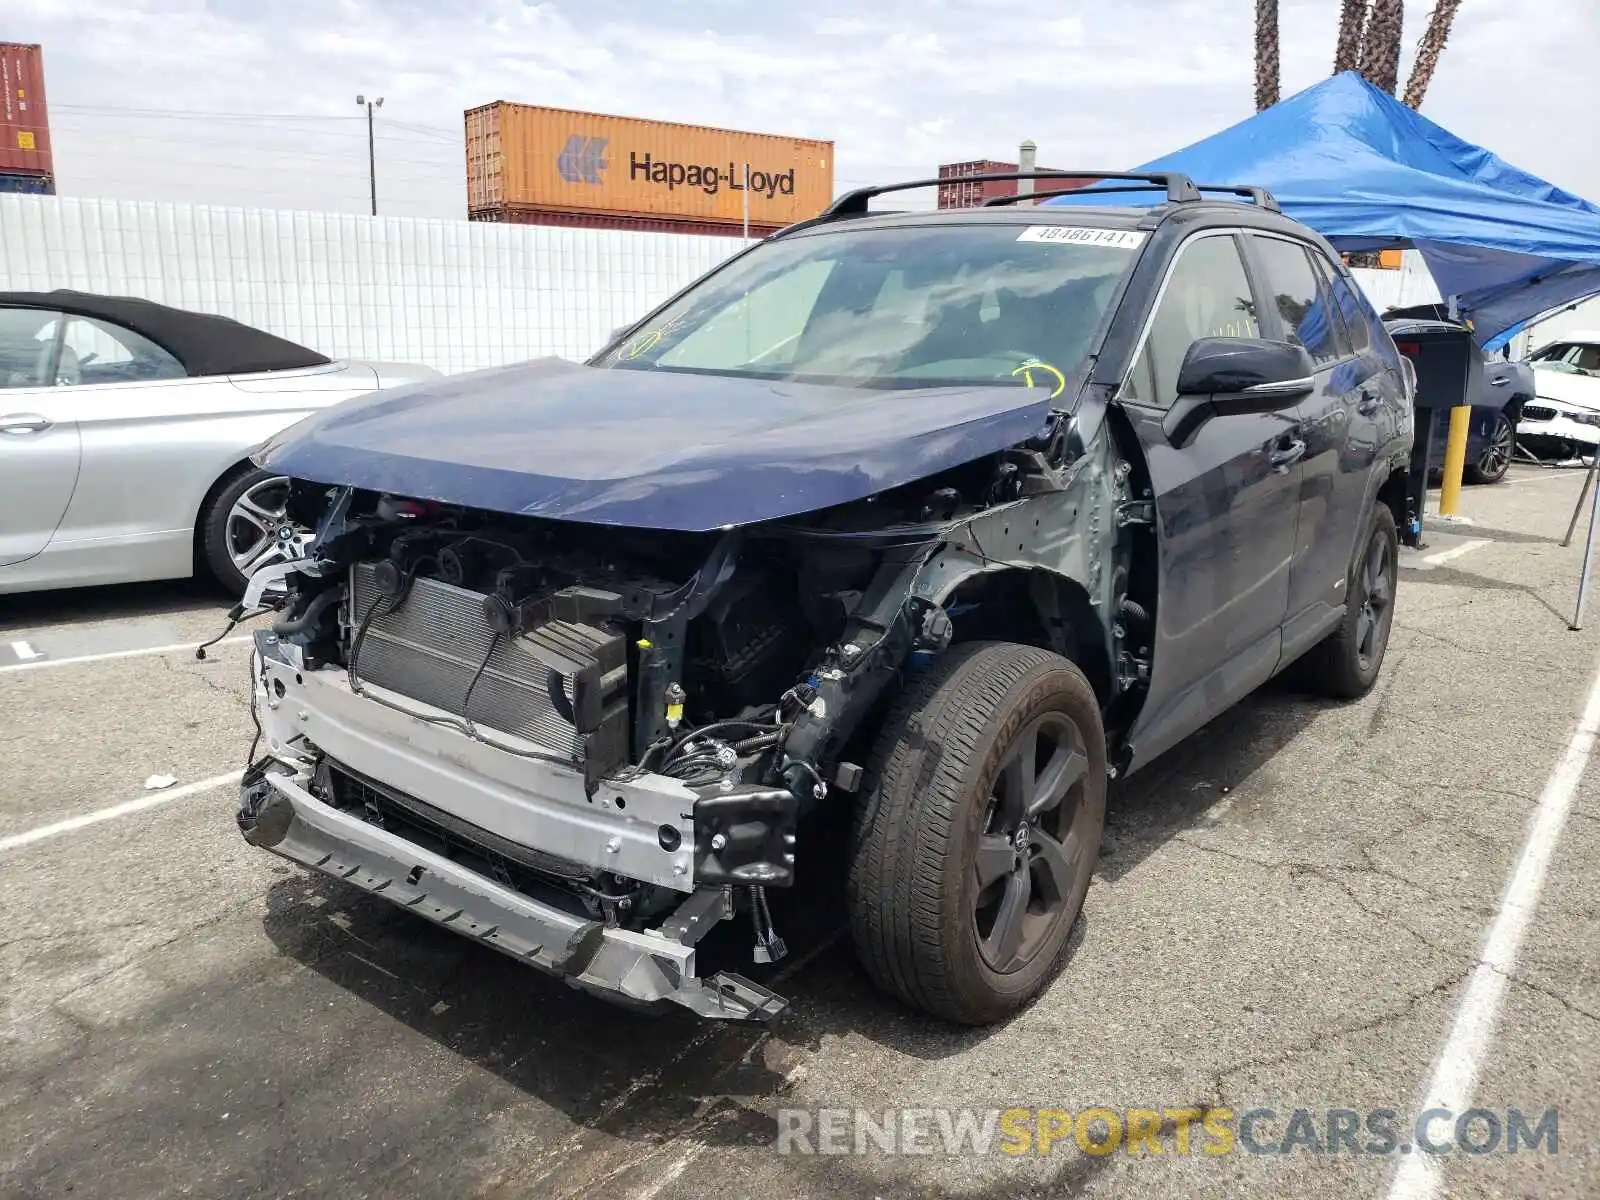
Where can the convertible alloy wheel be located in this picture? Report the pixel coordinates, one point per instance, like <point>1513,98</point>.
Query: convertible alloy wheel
<point>245,526</point>
<point>1029,858</point>
<point>259,531</point>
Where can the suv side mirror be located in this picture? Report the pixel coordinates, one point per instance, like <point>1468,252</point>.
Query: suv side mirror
<point>1228,366</point>
<point>1226,376</point>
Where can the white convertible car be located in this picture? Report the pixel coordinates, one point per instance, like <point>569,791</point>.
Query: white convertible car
<point>125,431</point>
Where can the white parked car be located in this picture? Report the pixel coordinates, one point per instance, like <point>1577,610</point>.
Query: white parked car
<point>125,431</point>
<point>1562,421</point>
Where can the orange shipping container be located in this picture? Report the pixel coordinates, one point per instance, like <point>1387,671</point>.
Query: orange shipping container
<point>24,125</point>
<point>522,155</point>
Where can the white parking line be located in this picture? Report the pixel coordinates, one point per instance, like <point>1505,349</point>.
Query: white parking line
<point>1549,474</point>
<point>24,652</point>
<point>71,824</point>
<point>1445,556</point>
<point>1456,1073</point>
<point>39,664</point>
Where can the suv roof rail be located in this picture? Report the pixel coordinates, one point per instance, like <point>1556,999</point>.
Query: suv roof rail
<point>1179,186</point>
<point>1261,197</point>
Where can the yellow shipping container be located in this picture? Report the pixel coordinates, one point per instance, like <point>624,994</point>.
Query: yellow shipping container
<point>558,159</point>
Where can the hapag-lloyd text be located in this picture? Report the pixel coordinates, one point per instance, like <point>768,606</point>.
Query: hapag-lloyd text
<point>709,178</point>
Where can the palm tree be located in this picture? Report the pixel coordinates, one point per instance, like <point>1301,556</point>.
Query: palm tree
<point>1380,45</point>
<point>1428,50</point>
<point>1352,24</point>
<point>1267,65</point>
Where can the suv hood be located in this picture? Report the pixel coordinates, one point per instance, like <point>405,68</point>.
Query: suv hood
<point>650,449</point>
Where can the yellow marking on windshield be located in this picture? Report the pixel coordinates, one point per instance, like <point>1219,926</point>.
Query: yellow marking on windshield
<point>1027,369</point>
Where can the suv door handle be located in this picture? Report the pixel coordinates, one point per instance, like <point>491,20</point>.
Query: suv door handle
<point>20,423</point>
<point>1368,404</point>
<point>1500,382</point>
<point>1285,454</point>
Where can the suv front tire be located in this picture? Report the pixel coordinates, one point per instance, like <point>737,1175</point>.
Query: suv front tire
<point>979,831</point>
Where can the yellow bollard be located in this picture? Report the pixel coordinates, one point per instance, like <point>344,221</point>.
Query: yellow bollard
<point>1455,460</point>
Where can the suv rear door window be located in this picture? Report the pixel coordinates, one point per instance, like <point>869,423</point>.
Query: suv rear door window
<point>1207,295</point>
<point>1355,313</point>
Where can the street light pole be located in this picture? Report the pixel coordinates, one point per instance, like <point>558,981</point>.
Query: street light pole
<point>372,158</point>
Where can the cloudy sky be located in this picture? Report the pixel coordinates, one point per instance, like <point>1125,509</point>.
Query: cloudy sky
<point>253,101</point>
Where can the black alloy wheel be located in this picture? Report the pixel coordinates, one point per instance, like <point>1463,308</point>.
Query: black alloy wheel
<point>1375,601</point>
<point>1029,857</point>
<point>978,830</point>
<point>1345,664</point>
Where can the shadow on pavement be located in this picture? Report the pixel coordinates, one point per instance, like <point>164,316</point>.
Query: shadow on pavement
<point>644,1077</point>
<point>1447,576</point>
<point>72,606</point>
<point>1180,789</point>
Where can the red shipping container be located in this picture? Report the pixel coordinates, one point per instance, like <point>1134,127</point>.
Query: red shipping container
<point>24,121</point>
<point>966,192</point>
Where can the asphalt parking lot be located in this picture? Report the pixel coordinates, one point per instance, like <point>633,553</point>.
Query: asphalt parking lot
<point>1289,913</point>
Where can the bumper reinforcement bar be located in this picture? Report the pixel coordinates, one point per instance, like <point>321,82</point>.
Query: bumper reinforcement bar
<point>639,969</point>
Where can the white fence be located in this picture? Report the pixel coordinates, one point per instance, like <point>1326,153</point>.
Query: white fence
<point>455,295</point>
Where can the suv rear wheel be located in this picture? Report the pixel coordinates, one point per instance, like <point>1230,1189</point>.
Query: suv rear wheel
<point>1346,664</point>
<point>979,831</point>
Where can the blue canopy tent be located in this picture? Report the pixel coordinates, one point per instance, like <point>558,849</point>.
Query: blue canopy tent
<point>1367,173</point>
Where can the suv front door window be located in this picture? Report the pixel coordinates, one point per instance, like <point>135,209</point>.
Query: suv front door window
<point>1207,295</point>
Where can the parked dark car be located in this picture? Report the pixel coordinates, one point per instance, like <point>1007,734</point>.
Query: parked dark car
<point>930,521</point>
<point>1497,389</point>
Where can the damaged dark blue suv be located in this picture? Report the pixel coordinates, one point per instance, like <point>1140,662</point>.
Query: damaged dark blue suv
<point>933,521</point>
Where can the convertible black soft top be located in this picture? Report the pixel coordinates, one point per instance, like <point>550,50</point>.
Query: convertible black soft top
<point>203,343</point>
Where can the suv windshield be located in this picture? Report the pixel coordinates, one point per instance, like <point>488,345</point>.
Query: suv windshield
<point>900,307</point>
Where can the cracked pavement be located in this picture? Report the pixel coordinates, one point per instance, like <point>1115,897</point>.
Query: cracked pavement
<point>1283,916</point>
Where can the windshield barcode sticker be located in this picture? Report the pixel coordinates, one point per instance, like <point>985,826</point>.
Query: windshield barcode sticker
<point>1082,235</point>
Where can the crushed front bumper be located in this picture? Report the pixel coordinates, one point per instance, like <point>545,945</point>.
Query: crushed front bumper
<point>1547,426</point>
<point>645,969</point>
<point>627,827</point>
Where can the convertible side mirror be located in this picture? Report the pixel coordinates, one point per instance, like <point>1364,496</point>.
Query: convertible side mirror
<point>1226,376</point>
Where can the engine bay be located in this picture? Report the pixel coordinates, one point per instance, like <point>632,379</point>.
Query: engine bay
<point>615,651</point>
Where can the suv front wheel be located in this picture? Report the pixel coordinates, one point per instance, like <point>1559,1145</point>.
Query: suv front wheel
<point>978,831</point>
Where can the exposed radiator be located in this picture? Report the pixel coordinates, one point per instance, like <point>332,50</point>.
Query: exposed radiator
<point>433,644</point>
